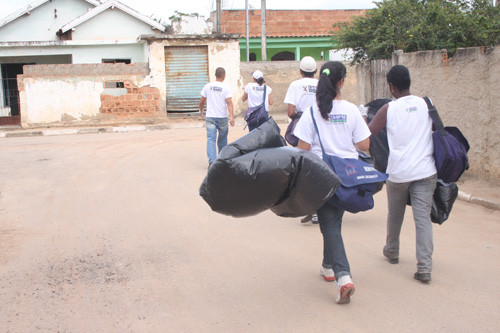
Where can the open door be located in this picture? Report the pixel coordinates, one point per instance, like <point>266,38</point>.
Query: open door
<point>10,113</point>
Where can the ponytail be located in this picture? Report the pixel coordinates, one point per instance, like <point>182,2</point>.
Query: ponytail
<point>260,81</point>
<point>330,75</point>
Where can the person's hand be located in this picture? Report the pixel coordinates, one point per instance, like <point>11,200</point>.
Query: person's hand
<point>231,121</point>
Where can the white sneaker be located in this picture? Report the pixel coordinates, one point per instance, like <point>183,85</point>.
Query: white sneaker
<point>327,274</point>
<point>345,289</point>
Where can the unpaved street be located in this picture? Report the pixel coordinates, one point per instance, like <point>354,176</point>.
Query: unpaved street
<point>107,233</point>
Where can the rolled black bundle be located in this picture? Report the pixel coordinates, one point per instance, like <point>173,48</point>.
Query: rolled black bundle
<point>258,172</point>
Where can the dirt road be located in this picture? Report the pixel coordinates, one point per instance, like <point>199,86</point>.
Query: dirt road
<point>107,233</point>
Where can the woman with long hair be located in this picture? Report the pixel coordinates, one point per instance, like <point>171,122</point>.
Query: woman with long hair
<point>342,130</point>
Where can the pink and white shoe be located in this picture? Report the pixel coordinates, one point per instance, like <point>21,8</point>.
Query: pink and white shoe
<point>345,289</point>
<point>327,274</point>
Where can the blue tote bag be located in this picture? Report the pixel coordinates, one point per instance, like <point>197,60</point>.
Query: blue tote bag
<point>359,180</point>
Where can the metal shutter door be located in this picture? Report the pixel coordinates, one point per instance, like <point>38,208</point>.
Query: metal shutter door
<point>186,70</point>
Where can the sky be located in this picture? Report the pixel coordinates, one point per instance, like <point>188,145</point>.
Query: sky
<point>165,8</point>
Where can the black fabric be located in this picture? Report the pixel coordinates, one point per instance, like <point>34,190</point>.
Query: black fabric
<point>379,146</point>
<point>258,172</point>
<point>443,200</point>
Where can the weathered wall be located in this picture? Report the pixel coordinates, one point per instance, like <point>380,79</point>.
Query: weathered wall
<point>279,74</point>
<point>465,90</point>
<point>221,53</point>
<point>62,95</point>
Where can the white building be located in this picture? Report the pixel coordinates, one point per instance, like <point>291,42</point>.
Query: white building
<point>68,32</point>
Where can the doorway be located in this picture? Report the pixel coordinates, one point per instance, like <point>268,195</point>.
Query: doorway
<point>9,103</point>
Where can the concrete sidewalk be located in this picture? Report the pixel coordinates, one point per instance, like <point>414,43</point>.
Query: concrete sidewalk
<point>472,190</point>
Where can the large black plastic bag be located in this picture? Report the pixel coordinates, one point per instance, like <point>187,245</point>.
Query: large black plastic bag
<point>444,198</point>
<point>257,172</point>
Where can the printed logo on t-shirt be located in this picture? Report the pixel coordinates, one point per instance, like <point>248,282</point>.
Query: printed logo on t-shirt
<point>411,109</point>
<point>309,89</point>
<point>219,89</point>
<point>338,118</point>
<point>259,88</point>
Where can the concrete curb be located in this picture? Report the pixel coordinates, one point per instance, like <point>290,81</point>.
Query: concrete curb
<point>478,201</point>
<point>96,130</point>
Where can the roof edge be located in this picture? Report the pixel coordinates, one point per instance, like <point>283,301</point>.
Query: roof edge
<point>32,5</point>
<point>193,36</point>
<point>111,4</point>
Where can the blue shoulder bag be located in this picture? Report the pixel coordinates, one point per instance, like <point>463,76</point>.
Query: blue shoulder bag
<point>257,115</point>
<point>359,180</point>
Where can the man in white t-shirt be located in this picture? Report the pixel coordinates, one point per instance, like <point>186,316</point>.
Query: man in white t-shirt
<point>218,97</point>
<point>302,93</point>
<point>411,168</point>
<point>300,96</point>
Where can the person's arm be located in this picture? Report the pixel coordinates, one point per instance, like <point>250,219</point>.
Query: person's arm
<point>378,122</point>
<point>291,111</point>
<point>270,100</point>
<point>364,145</point>
<point>229,102</point>
<point>245,97</point>
<point>202,103</point>
<point>303,145</point>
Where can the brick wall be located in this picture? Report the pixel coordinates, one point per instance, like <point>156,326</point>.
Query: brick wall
<point>136,102</point>
<point>281,23</point>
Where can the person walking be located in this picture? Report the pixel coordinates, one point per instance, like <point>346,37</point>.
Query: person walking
<point>342,130</point>
<point>301,93</point>
<point>218,98</point>
<point>300,96</point>
<point>411,168</point>
<point>254,93</point>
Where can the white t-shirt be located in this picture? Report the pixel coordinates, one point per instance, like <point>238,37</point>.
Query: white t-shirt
<point>409,134</point>
<point>255,94</point>
<point>216,93</point>
<point>339,133</point>
<point>302,93</point>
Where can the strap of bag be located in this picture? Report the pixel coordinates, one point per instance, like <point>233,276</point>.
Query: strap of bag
<point>317,131</point>
<point>436,119</point>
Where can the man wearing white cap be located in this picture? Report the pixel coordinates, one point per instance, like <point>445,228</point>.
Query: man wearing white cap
<point>302,93</point>
<point>254,92</point>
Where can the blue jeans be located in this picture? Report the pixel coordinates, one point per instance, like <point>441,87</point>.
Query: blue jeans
<point>334,255</point>
<point>213,125</point>
<point>421,193</point>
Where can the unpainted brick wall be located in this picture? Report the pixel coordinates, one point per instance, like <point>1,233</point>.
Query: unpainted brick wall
<point>286,22</point>
<point>140,102</point>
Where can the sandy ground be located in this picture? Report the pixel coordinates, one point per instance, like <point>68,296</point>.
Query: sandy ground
<point>107,233</point>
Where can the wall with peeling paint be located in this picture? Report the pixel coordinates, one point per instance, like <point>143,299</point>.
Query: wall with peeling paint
<point>74,95</point>
<point>221,53</point>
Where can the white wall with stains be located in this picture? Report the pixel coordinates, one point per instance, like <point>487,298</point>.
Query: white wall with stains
<point>221,53</point>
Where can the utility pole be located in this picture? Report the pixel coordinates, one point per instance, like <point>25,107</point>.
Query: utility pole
<point>263,30</point>
<point>247,30</point>
<point>218,17</point>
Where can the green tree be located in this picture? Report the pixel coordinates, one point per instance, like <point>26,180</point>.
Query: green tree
<point>414,25</point>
